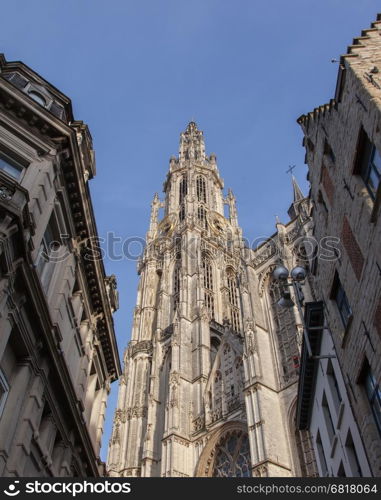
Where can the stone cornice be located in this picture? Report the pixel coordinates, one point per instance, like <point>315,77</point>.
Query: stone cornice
<point>64,138</point>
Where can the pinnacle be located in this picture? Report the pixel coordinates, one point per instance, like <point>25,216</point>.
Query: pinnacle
<point>192,126</point>
<point>298,195</point>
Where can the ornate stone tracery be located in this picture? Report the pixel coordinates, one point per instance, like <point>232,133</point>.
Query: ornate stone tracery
<point>226,453</point>
<point>232,456</point>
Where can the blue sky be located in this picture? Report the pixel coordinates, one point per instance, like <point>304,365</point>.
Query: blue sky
<point>139,71</point>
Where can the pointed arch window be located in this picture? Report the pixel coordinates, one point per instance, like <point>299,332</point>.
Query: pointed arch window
<point>183,189</point>
<point>182,212</point>
<point>176,286</point>
<point>232,289</point>
<point>233,299</point>
<point>178,247</point>
<point>201,216</point>
<point>201,188</point>
<point>208,275</point>
<point>208,284</point>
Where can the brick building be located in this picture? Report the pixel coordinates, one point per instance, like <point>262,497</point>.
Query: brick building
<point>343,153</point>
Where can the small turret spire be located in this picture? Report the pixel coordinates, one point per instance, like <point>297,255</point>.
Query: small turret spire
<point>155,206</point>
<point>298,195</point>
<point>230,200</point>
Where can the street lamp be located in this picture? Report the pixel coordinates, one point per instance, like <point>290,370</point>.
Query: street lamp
<point>299,273</point>
<point>295,279</point>
<point>287,279</point>
<point>280,273</point>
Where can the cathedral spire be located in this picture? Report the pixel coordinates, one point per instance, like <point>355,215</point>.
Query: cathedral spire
<point>192,145</point>
<point>200,337</point>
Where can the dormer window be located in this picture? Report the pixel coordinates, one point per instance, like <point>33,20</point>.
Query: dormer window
<point>37,97</point>
<point>18,80</point>
<point>38,93</point>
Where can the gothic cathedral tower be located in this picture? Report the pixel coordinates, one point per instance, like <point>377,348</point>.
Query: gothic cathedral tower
<point>210,374</point>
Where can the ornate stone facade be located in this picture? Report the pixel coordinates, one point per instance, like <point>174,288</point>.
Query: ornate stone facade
<point>212,361</point>
<point>58,352</point>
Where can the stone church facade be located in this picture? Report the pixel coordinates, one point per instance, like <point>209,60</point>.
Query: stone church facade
<point>210,375</point>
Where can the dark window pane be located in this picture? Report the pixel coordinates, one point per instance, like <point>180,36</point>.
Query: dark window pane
<point>374,396</point>
<point>342,302</point>
<point>376,160</point>
<point>368,164</point>
<point>10,167</point>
